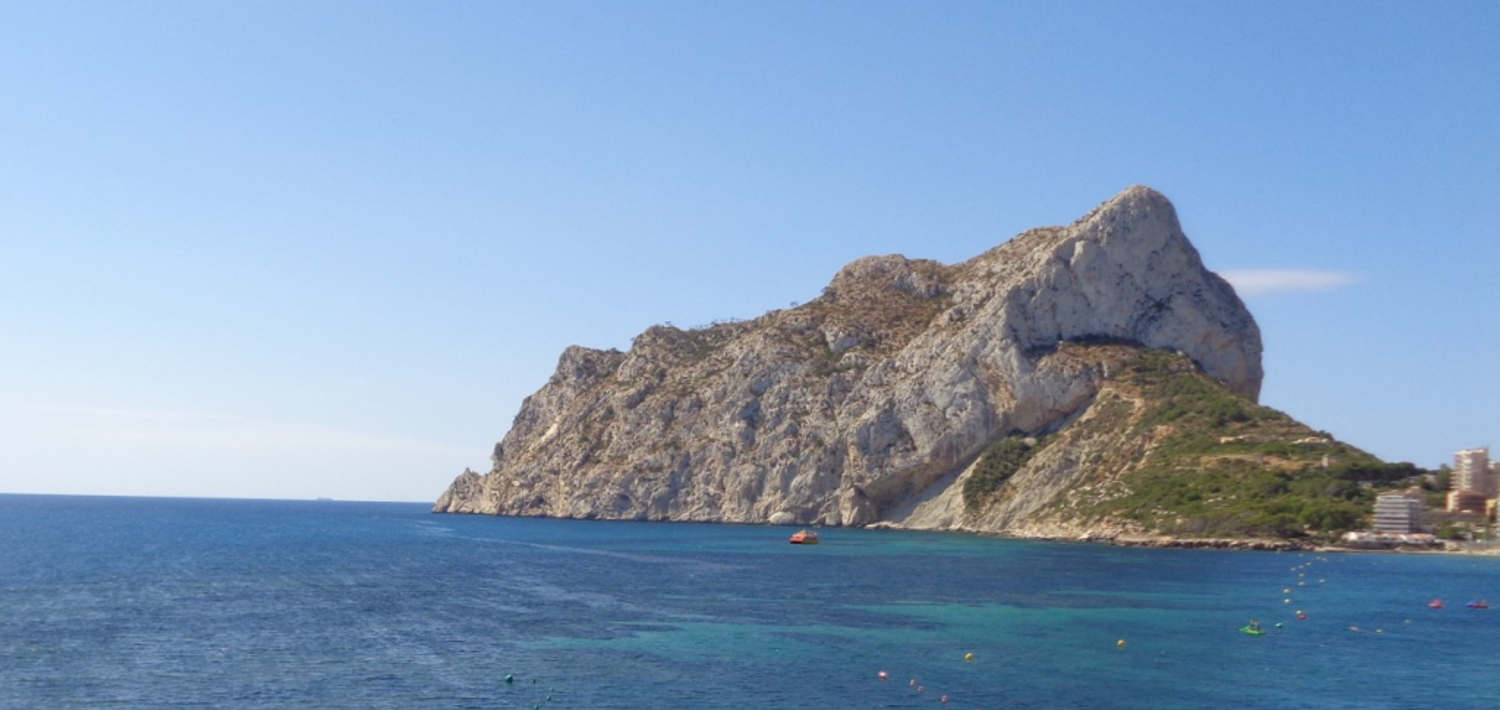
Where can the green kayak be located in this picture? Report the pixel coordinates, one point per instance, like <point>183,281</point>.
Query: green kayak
<point>1252,632</point>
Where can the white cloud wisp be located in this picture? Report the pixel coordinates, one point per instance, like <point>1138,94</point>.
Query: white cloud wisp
<point>1257,282</point>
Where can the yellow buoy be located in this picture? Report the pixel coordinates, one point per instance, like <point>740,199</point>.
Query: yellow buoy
<point>1120,643</point>
<point>968,656</point>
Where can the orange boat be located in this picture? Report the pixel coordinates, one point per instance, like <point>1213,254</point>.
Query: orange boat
<point>804,537</point>
<point>1436,603</point>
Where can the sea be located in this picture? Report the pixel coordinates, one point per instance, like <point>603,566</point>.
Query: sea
<point>190,603</point>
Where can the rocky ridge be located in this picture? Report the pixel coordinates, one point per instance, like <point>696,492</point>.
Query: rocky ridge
<point>873,403</point>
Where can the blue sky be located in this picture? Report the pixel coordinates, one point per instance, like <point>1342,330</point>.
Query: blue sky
<point>299,249</point>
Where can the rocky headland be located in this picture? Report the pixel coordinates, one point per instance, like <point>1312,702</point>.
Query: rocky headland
<point>1090,382</point>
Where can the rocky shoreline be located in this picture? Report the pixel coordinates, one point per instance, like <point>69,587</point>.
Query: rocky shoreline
<point>1251,544</point>
<point>1279,545</point>
<point>1125,539</point>
<point>1261,544</point>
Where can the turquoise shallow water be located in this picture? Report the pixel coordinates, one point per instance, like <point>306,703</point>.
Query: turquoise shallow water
<point>157,603</point>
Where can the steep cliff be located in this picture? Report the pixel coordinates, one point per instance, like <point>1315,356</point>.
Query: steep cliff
<point>871,402</point>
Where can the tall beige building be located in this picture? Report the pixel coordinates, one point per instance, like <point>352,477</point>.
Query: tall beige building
<point>1472,472</point>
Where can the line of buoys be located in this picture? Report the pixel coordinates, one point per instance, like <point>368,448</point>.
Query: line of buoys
<point>510,680</point>
<point>1286,591</point>
<point>921,689</point>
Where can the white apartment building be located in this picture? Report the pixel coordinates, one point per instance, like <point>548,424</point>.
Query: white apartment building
<point>1398,513</point>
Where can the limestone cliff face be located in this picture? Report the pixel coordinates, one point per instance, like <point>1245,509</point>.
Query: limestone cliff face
<point>866,405</point>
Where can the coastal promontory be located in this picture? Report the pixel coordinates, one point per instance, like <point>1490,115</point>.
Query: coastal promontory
<point>1061,384</point>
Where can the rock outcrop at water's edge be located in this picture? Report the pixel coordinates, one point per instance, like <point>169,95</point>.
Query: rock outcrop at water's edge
<point>871,403</point>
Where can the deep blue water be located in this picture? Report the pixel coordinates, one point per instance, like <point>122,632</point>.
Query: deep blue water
<point>175,603</point>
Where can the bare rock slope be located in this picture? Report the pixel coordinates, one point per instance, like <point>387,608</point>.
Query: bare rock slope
<point>869,404</point>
